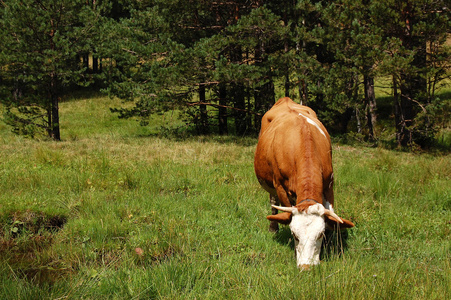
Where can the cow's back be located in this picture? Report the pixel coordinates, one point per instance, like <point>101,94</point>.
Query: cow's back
<point>294,152</point>
<point>285,105</point>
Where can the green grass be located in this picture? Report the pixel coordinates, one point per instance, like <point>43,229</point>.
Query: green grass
<point>116,211</point>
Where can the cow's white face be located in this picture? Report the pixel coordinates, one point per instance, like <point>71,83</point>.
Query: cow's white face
<point>308,228</point>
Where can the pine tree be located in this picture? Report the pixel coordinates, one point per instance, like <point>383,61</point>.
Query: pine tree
<point>157,64</point>
<point>165,60</point>
<point>409,26</point>
<point>346,43</point>
<point>222,60</point>
<point>256,57</point>
<point>357,46</point>
<point>41,41</point>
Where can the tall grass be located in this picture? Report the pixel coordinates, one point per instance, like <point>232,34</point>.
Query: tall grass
<point>115,211</point>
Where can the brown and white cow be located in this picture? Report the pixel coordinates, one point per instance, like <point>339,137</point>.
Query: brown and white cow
<point>293,163</point>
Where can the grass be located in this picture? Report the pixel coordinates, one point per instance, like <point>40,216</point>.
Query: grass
<point>118,212</point>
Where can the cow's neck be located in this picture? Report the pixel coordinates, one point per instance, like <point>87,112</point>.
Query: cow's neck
<point>309,168</point>
<point>310,185</point>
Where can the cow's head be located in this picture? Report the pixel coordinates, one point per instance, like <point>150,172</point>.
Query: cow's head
<point>307,223</point>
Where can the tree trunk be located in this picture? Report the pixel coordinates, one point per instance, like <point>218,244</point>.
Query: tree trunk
<point>54,128</point>
<point>345,118</point>
<point>413,85</point>
<point>287,72</point>
<point>222,113</point>
<point>55,119</point>
<point>53,112</point>
<point>357,117</point>
<point>238,94</point>
<point>203,122</point>
<point>264,96</point>
<point>264,99</point>
<point>405,109</point>
<point>85,58</point>
<point>370,100</point>
<point>95,64</point>
<point>397,109</point>
<point>303,92</point>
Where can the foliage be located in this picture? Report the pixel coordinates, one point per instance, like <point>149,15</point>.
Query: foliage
<point>235,57</point>
<point>38,60</point>
<point>223,64</point>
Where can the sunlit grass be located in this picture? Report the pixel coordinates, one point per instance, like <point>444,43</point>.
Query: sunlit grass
<point>143,216</point>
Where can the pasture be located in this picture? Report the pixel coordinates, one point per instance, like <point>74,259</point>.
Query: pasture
<point>118,212</point>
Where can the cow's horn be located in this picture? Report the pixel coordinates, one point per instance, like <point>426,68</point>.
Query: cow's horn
<point>284,208</point>
<point>328,212</point>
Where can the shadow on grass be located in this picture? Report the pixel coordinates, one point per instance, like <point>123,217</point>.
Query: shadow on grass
<point>185,133</point>
<point>284,237</point>
<point>334,242</point>
<point>82,93</point>
<point>24,241</point>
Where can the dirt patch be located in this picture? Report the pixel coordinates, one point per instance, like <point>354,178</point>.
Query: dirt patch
<point>35,222</point>
<point>25,240</point>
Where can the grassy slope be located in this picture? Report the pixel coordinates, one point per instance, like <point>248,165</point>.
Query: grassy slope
<point>75,213</point>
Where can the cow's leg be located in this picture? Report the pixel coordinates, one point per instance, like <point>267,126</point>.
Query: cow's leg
<point>274,225</point>
<point>280,198</point>
<point>328,192</point>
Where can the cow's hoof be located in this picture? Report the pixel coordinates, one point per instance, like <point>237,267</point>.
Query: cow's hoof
<point>274,227</point>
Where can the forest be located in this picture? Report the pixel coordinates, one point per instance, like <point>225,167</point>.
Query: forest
<point>374,70</point>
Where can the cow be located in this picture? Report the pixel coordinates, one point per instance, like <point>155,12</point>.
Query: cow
<point>293,163</point>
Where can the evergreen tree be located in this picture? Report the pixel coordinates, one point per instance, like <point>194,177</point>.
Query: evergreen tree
<point>346,43</point>
<point>155,65</point>
<point>358,48</point>
<point>255,59</point>
<point>41,41</point>
<point>409,26</point>
<point>164,60</point>
<point>221,61</point>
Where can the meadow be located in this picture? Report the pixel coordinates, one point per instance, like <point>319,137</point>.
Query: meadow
<point>118,211</point>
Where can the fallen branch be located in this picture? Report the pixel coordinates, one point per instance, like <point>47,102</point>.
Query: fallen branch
<point>415,101</point>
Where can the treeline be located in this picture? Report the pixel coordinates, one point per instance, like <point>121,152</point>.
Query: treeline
<point>224,63</point>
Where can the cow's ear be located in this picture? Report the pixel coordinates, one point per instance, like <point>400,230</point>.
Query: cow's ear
<point>333,223</point>
<point>282,218</point>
